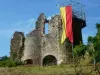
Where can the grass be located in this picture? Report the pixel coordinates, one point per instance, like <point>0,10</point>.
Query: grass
<point>49,70</point>
<point>36,70</point>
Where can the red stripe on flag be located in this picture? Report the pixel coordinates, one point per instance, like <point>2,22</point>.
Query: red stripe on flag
<point>69,31</point>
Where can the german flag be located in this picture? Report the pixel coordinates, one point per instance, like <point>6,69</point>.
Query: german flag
<point>66,15</point>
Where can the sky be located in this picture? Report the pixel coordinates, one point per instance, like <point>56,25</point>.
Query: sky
<point>20,15</point>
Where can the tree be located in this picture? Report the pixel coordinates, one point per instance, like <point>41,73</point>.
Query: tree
<point>4,58</point>
<point>94,43</point>
<point>79,50</point>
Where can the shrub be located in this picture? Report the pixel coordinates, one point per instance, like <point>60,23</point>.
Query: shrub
<point>9,63</point>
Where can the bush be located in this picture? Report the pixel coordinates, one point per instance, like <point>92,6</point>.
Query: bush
<point>4,58</point>
<point>80,50</point>
<point>9,63</point>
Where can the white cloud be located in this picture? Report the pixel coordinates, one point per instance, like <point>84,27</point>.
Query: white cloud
<point>49,18</point>
<point>21,26</point>
<point>32,20</point>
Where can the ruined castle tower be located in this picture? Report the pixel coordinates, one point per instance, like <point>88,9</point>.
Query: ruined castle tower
<point>17,46</point>
<point>46,49</point>
<point>40,46</point>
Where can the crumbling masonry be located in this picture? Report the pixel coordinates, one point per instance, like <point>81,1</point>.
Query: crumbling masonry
<point>38,48</point>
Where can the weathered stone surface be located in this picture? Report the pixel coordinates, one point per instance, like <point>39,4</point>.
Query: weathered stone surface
<point>17,46</point>
<point>33,42</point>
<point>39,45</point>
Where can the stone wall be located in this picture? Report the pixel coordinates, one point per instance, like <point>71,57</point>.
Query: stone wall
<point>38,45</point>
<point>51,42</point>
<point>33,42</point>
<point>17,46</point>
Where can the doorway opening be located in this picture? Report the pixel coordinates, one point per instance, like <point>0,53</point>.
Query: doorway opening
<point>49,60</point>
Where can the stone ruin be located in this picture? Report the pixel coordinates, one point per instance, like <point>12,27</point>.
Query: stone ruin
<point>38,48</point>
<point>17,46</point>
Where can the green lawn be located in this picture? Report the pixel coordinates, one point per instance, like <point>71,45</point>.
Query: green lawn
<point>49,70</point>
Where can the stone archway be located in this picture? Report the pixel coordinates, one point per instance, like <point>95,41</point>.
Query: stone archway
<point>49,60</point>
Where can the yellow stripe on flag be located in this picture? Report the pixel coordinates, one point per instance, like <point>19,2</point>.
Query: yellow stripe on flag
<point>63,16</point>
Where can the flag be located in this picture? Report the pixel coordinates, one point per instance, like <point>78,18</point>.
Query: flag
<point>69,30</point>
<point>66,15</point>
<point>63,16</point>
